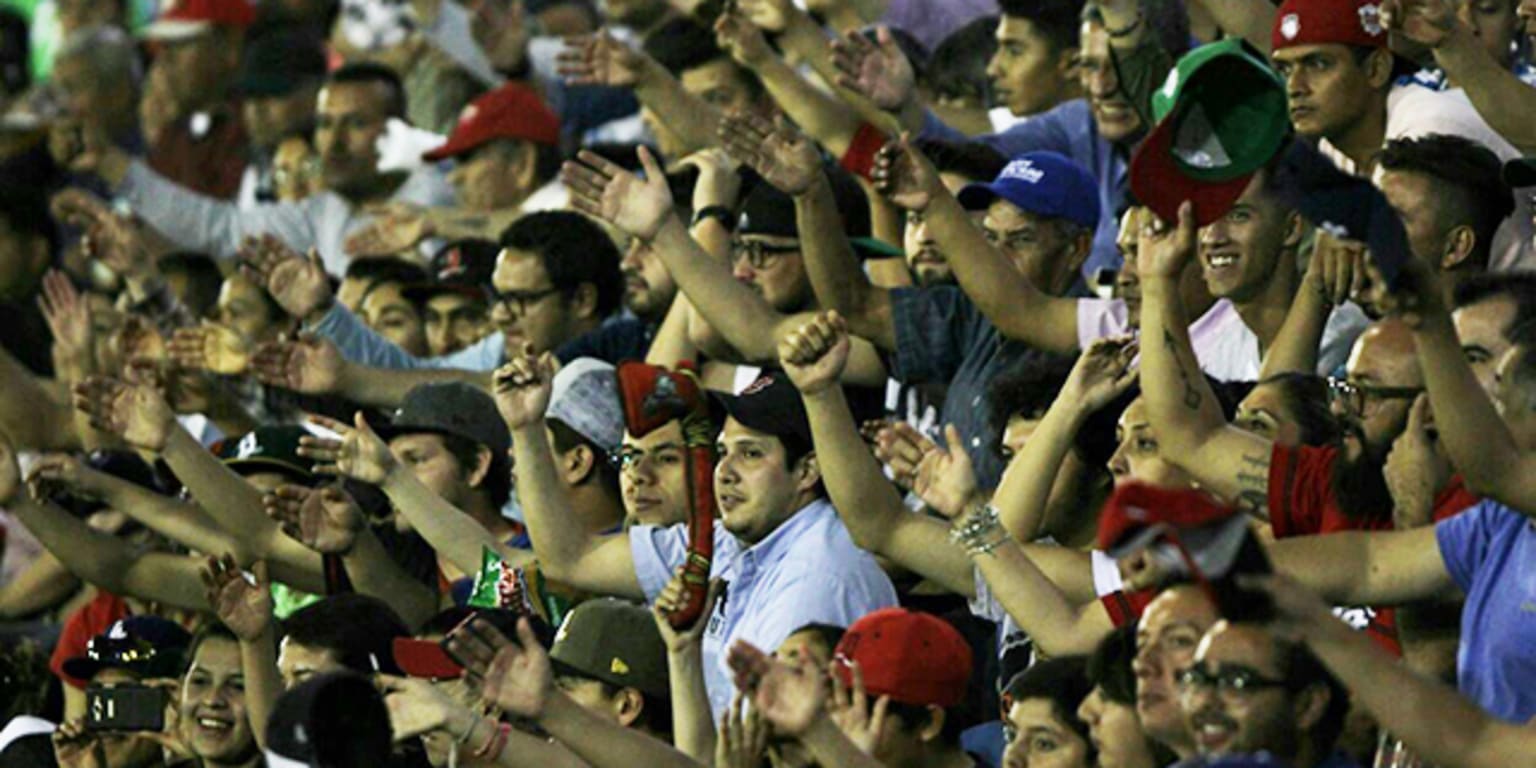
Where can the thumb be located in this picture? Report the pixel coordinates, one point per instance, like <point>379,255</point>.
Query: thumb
<point>1421,416</point>
<point>653,172</point>
<point>1187,221</point>
<point>361,422</point>
<point>955,443</point>
<point>314,258</point>
<point>526,636</point>
<point>259,570</point>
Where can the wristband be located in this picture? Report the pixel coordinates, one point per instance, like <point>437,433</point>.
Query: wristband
<point>720,213</point>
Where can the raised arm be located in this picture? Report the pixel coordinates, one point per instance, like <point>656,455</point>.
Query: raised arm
<point>1191,430</point>
<point>1333,275</point>
<point>1435,721</point>
<point>693,727</point>
<point>794,701</point>
<point>814,356</point>
<point>568,553</point>
<point>245,607</point>
<point>602,60</point>
<point>1018,308</point>
<point>314,365</point>
<point>1359,568</point>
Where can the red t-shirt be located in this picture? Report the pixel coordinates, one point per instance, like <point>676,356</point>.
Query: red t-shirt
<point>1301,503</point>
<point>88,621</point>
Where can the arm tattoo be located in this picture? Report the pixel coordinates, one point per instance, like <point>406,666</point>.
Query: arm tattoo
<point>1191,393</point>
<point>1253,479</point>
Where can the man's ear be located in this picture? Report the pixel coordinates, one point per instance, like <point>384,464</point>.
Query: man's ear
<point>1295,229</point>
<point>1378,68</point>
<point>1459,245</point>
<point>628,706</point>
<point>583,301</point>
<point>525,169</point>
<point>807,473</point>
<point>932,729</point>
<point>1311,705</point>
<point>475,475</point>
<point>577,464</point>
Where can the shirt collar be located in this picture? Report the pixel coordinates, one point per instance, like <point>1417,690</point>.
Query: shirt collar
<point>776,545</point>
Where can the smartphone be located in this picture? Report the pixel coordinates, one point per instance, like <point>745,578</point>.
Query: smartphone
<point>124,708</point>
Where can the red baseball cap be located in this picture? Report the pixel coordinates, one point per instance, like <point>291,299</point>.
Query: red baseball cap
<point>186,19</point>
<point>512,111</point>
<point>425,658</point>
<point>1320,22</point>
<point>1137,513</point>
<point>914,658</point>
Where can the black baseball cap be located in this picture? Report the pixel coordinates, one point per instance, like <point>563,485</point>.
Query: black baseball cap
<point>146,645</point>
<point>769,212</point>
<point>1520,172</point>
<point>279,61</point>
<point>772,404</point>
<point>463,267</point>
<point>334,720</point>
<point>1342,205</point>
<point>451,408</point>
<point>266,449</point>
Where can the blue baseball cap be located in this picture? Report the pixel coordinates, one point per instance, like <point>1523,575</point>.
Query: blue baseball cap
<point>1043,183</point>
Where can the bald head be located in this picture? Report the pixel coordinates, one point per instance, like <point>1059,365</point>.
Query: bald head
<point>1385,356</point>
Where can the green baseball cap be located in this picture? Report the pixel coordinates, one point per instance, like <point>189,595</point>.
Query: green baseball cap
<point>1221,116</point>
<point>266,449</point>
<point>614,642</point>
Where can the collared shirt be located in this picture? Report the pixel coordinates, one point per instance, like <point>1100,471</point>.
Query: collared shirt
<point>1070,130</point>
<point>807,571</point>
<point>1490,552</point>
<point>321,221</point>
<point>619,338</point>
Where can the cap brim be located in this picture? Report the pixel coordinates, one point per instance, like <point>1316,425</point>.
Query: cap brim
<point>424,658</point>
<point>455,147</point>
<point>1520,172</point>
<point>257,465</point>
<point>173,30</point>
<point>421,292</point>
<point>870,248</point>
<point>1159,183</point>
<point>976,197</point>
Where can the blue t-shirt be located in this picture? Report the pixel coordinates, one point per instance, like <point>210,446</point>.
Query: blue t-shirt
<point>1490,552</point>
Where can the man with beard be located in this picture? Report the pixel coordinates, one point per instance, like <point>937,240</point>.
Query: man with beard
<point>1299,490</point>
<point>1248,691</point>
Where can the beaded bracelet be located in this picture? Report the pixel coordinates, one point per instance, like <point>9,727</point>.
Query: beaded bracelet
<point>980,531</point>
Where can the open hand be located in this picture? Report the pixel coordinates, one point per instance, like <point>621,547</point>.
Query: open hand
<point>742,740</point>
<point>135,412</point>
<point>418,707</point>
<point>945,479</point>
<point>901,448</point>
<point>68,316</point>
<point>851,710</point>
<point>815,354</point>
<point>395,228</point>
<point>1102,373</point>
<point>245,606</point>
<point>326,520</point>
<point>904,176</point>
<point>210,347</point>
<point>878,70</point>
<point>75,746</point>
<point>299,285</point>
<point>360,453</point>
<point>63,472</point>
<point>779,152</point>
<point>522,389</point>
<point>113,238</point>
<point>520,678</point>
<point>602,189</point>
<point>1426,22</point>
<point>600,59</point>
<point>309,364</point>
<point>768,15</point>
<point>791,698</point>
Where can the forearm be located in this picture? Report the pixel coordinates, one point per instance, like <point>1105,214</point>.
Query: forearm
<point>1243,19</point>
<point>693,727</point>
<point>234,503</point>
<point>387,387</point>
<point>458,223</point>
<point>822,116</point>
<point>1430,636</point>
<point>557,536</point>
<point>1025,489</point>
<point>1019,308</point>
<point>29,413</point>
<point>834,270</point>
<point>372,572</point>
<point>832,748</point>
<point>458,538</point>
<point>670,347</point>
<point>603,743</point>
<point>44,584</point>
<point>176,520</point>
<point>1180,404</point>
<point>744,318</point>
<point>263,682</point>
<point>524,750</point>
<point>1295,348</point>
<point>693,120</point>
<point>1499,96</point>
<point>804,40</point>
<point>1058,626</point>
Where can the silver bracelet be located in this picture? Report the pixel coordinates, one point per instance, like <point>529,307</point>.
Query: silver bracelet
<point>980,531</point>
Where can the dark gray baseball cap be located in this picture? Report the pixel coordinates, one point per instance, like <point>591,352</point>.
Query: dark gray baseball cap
<point>451,408</point>
<point>615,642</point>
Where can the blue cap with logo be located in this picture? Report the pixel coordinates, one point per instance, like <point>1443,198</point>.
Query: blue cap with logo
<point>1043,183</point>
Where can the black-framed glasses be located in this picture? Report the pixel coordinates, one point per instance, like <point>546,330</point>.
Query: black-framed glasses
<point>1228,680</point>
<point>629,457</point>
<point>758,254</point>
<point>506,300</point>
<point>1356,396</point>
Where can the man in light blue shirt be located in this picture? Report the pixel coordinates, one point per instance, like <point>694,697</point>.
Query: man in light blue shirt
<point>786,557</point>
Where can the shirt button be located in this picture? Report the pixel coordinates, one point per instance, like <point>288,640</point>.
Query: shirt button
<point>975,401</point>
<point>975,442</point>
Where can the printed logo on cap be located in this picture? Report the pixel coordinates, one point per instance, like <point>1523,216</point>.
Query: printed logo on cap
<point>469,113</point>
<point>1370,19</point>
<point>1024,170</point>
<point>453,264</point>
<point>618,667</point>
<point>1290,26</point>
<point>118,631</point>
<point>762,383</point>
<point>248,446</point>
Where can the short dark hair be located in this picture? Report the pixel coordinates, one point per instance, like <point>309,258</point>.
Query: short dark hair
<point>1473,175</point>
<point>359,629</point>
<point>1307,397</point>
<point>655,715</point>
<point>830,634</point>
<point>912,717</point>
<point>210,630</point>
<point>497,485</point>
<point>1518,287</point>
<point>1026,390</point>
<point>566,439</point>
<point>970,159</point>
<point>365,73</point>
<point>203,279</point>
<point>682,44</point>
<point>1063,681</point>
<point>574,250</point>
<point>958,67</point>
<point>1109,666</point>
<point>1057,20</point>
<point>1302,670</point>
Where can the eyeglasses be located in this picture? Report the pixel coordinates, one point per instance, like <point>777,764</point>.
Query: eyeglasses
<point>1229,680</point>
<point>1356,397</point>
<point>522,299</point>
<point>305,169</point>
<point>759,255</point>
<point>630,458</point>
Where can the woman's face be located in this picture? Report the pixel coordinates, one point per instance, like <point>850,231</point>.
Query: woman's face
<point>1041,739</point>
<point>1265,413</point>
<point>1137,459</point>
<point>1115,732</point>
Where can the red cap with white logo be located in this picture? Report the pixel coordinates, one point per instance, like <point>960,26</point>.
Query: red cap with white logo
<point>186,19</point>
<point>1321,22</point>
